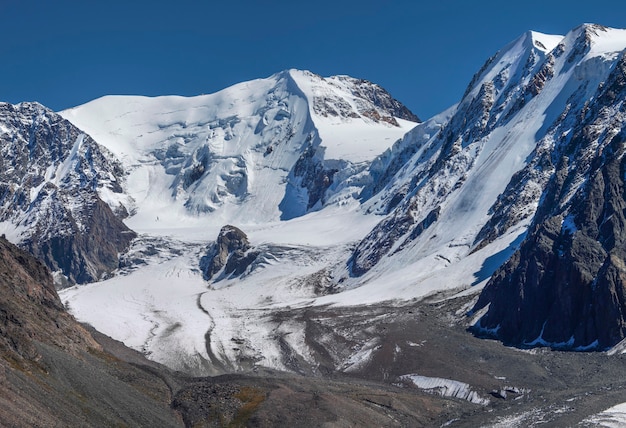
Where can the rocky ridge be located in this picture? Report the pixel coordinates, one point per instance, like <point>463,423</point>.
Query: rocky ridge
<point>424,174</point>
<point>51,179</point>
<point>565,286</point>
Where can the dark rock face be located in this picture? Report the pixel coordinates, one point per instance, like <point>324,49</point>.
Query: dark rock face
<point>380,98</point>
<point>309,179</point>
<point>49,180</point>
<point>373,102</point>
<point>565,286</point>
<point>314,175</point>
<point>230,252</point>
<point>30,309</point>
<point>85,254</point>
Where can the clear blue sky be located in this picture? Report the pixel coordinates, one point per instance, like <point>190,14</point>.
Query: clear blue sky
<point>64,53</point>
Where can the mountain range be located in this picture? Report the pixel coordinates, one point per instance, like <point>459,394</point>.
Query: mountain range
<point>300,224</point>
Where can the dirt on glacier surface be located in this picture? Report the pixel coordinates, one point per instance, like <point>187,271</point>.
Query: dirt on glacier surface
<point>365,358</point>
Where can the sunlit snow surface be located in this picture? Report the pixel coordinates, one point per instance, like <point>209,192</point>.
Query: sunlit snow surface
<point>164,307</point>
<point>614,417</point>
<point>446,388</point>
<point>243,140</point>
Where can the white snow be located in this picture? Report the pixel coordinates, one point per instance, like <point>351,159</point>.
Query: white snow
<point>446,388</point>
<point>222,128</point>
<point>547,41</point>
<point>620,348</point>
<point>152,310</point>
<point>613,417</point>
<point>12,232</point>
<point>354,139</point>
<point>249,137</point>
<point>608,41</point>
<point>64,168</point>
<point>362,141</point>
<point>361,357</point>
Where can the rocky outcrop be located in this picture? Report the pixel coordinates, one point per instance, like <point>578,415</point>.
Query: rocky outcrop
<point>565,287</point>
<point>385,235</point>
<point>367,100</point>
<point>84,252</point>
<point>50,177</point>
<point>230,255</point>
<point>385,106</point>
<point>313,175</point>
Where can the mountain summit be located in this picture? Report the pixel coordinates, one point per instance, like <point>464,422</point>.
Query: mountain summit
<point>258,151</point>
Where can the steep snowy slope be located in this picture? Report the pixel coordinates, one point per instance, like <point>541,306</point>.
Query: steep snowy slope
<point>450,198</point>
<point>565,286</point>
<point>438,199</point>
<point>259,151</point>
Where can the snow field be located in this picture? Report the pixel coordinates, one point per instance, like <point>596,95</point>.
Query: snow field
<point>446,388</point>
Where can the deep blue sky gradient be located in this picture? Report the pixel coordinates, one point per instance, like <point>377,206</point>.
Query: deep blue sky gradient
<point>64,53</point>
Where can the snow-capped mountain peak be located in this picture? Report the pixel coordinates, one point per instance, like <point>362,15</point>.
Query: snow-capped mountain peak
<point>481,173</point>
<point>515,62</point>
<point>544,42</point>
<point>255,152</point>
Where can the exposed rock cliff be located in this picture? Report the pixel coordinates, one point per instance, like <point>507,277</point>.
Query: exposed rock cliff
<point>30,309</point>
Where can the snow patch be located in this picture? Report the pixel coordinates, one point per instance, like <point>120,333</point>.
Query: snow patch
<point>361,357</point>
<point>613,417</point>
<point>446,388</point>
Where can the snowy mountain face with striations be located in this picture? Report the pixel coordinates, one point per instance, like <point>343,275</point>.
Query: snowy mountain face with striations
<point>532,153</point>
<point>260,151</point>
<point>282,195</point>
